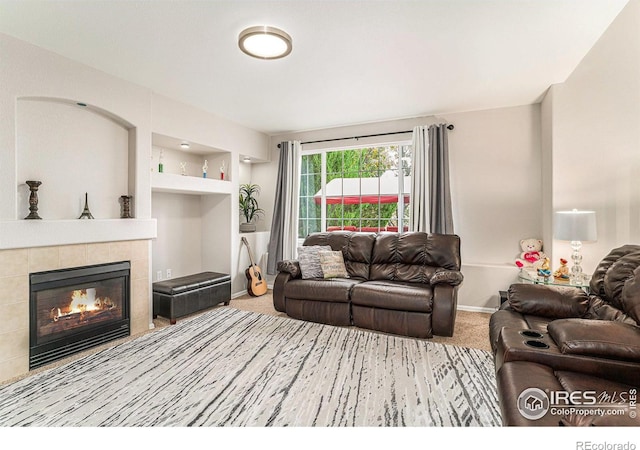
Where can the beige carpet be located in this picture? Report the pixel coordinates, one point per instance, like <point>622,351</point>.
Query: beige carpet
<point>471,329</point>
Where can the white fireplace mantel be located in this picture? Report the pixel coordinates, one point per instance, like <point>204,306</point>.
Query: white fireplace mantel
<point>43,233</point>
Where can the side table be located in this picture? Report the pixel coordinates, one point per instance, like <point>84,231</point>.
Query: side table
<point>584,285</point>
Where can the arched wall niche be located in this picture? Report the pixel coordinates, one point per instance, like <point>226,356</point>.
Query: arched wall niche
<point>73,148</point>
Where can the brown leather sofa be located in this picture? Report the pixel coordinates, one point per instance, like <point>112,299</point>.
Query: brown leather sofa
<point>399,283</point>
<point>581,350</point>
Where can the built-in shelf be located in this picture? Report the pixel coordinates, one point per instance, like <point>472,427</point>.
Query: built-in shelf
<point>182,184</point>
<point>43,233</point>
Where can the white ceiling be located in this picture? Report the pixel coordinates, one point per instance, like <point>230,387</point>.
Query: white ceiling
<point>352,61</point>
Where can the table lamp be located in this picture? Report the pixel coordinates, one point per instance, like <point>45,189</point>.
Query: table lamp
<point>575,226</point>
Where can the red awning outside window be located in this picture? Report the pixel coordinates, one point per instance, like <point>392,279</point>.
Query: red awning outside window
<point>353,191</point>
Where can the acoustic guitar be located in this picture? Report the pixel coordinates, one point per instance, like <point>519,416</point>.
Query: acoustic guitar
<point>256,285</point>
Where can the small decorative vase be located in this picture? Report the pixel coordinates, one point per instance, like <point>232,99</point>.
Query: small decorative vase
<point>33,200</point>
<point>125,213</point>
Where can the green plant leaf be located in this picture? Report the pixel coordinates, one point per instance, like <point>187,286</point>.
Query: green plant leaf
<point>248,202</point>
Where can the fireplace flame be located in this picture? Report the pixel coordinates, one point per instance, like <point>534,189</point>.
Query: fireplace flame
<point>82,301</point>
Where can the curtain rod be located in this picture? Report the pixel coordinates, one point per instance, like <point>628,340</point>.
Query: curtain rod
<point>449,127</point>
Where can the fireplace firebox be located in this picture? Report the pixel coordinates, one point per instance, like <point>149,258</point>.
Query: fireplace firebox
<point>72,310</point>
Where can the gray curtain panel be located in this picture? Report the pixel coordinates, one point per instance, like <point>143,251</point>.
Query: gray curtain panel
<point>284,225</point>
<point>419,211</point>
<point>430,192</point>
<point>440,214</point>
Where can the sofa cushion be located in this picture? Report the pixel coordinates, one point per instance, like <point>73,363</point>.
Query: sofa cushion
<point>396,295</point>
<point>356,249</point>
<point>555,302</point>
<point>309,260</point>
<point>330,290</point>
<point>599,338</point>
<point>601,310</point>
<point>413,256</point>
<point>332,264</point>
<point>630,296</point>
<point>596,285</point>
<point>617,276</point>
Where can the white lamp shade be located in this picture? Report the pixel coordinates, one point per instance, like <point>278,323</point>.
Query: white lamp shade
<point>575,225</point>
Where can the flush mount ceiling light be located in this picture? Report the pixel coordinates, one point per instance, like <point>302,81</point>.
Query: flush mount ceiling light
<point>265,42</point>
<point>184,145</point>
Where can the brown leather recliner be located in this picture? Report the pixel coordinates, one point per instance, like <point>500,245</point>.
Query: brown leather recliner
<point>399,283</point>
<point>565,339</point>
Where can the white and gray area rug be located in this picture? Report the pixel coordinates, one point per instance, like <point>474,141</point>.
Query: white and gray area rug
<point>234,368</point>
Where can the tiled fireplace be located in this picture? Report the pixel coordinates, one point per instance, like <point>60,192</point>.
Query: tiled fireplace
<point>71,310</point>
<point>18,265</point>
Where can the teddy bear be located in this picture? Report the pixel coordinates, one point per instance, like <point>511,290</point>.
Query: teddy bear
<point>532,256</point>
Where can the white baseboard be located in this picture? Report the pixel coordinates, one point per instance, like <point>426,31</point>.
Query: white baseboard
<point>245,292</point>
<point>477,309</point>
<point>239,294</point>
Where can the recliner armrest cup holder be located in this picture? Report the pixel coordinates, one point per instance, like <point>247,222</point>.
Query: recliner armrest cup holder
<point>531,334</point>
<point>536,344</point>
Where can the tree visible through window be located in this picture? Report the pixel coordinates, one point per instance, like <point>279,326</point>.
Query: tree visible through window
<point>358,189</point>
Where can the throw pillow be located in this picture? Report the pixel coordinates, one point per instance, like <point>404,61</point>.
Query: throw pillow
<point>309,260</point>
<point>333,264</point>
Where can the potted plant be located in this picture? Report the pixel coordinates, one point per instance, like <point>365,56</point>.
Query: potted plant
<point>249,206</point>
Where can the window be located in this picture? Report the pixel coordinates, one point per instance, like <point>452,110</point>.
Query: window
<point>357,189</point>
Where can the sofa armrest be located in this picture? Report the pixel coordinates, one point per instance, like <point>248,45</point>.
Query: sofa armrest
<point>289,266</point>
<point>451,277</point>
<point>555,302</point>
<point>445,303</point>
<point>596,338</point>
<point>279,300</point>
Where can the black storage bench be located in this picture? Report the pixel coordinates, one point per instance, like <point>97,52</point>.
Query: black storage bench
<point>182,296</point>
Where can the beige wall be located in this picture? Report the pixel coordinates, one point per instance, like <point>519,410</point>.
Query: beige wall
<point>15,267</point>
<point>31,72</point>
<point>179,243</point>
<point>73,151</point>
<point>176,119</point>
<point>595,121</point>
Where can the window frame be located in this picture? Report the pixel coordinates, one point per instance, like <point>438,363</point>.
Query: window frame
<point>400,205</point>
